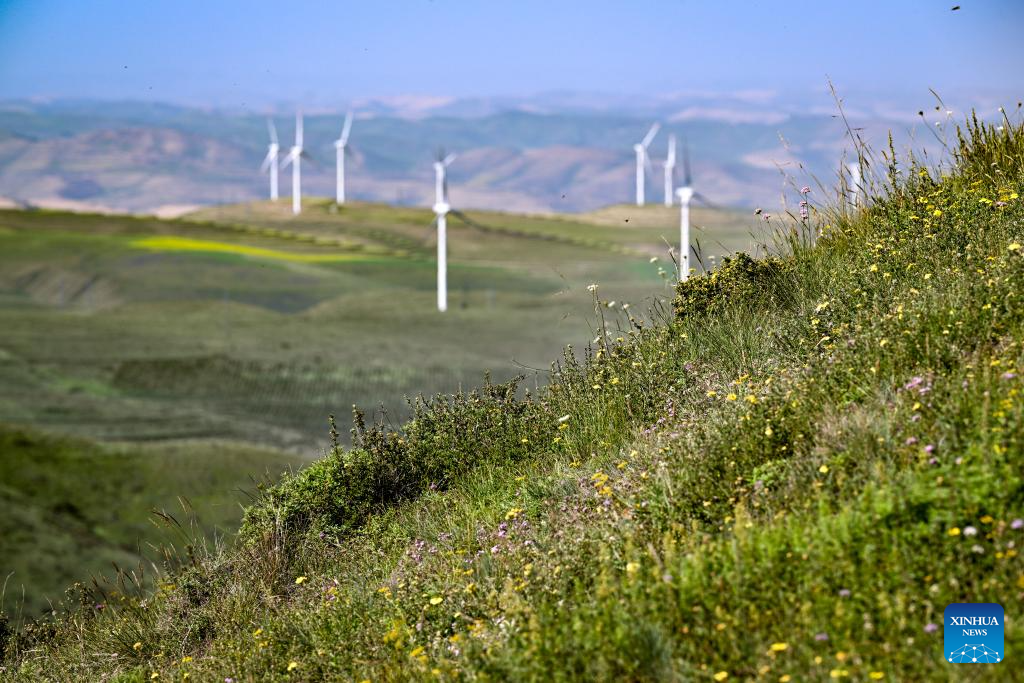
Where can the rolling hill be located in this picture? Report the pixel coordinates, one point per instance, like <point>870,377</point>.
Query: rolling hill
<point>151,158</point>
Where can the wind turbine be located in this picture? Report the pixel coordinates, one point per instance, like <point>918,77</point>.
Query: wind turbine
<point>670,168</point>
<point>340,148</point>
<point>441,210</point>
<point>641,161</point>
<point>685,194</point>
<point>855,183</point>
<point>294,158</point>
<point>270,162</point>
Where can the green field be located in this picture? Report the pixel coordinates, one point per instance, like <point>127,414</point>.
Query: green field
<point>228,337</point>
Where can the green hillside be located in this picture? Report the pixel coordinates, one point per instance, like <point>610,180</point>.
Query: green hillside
<point>71,510</point>
<point>785,476</point>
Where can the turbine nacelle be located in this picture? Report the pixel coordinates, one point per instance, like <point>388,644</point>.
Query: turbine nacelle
<point>685,194</point>
<point>442,208</point>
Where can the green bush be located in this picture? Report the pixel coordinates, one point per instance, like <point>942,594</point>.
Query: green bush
<point>447,437</point>
<point>739,280</point>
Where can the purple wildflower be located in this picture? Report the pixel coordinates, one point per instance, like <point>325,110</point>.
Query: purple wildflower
<point>1008,375</point>
<point>930,628</point>
<point>1017,524</point>
<point>911,441</point>
<point>844,593</point>
<point>821,637</point>
<point>930,448</point>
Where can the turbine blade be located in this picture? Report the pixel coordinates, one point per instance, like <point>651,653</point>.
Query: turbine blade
<point>272,130</point>
<point>346,129</point>
<point>449,159</point>
<point>705,201</point>
<point>671,159</point>
<point>687,178</point>
<point>650,135</point>
<point>298,129</point>
<point>266,162</point>
<point>287,160</point>
<point>462,217</point>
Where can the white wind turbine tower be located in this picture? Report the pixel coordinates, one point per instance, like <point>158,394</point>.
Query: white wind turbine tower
<point>855,184</point>
<point>670,168</point>
<point>340,146</point>
<point>641,161</point>
<point>270,161</point>
<point>294,158</point>
<point>685,194</point>
<point>441,210</point>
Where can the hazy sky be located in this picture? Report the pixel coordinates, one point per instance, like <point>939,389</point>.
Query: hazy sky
<point>258,52</point>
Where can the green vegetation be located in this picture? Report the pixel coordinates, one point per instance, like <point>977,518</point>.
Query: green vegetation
<point>246,323</point>
<point>786,488</point>
<point>69,510</point>
<point>193,357</point>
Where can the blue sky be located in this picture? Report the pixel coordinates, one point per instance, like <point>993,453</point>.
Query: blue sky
<point>259,52</point>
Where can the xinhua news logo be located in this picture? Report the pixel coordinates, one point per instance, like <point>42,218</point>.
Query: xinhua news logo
<point>973,633</point>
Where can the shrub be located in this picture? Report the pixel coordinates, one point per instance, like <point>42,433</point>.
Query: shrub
<point>446,437</point>
<point>740,280</point>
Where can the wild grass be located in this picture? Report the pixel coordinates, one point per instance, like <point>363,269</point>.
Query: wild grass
<point>789,487</point>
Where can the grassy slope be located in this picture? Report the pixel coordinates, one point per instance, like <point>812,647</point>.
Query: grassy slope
<point>69,509</point>
<point>785,488</point>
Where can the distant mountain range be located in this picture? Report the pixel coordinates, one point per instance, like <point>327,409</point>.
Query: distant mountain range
<point>561,152</point>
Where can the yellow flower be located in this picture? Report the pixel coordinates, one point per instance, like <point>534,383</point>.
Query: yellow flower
<point>513,513</point>
<point>712,393</point>
<point>137,646</point>
<point>768,431</point>
<point>876,675</point>
<point>873,268</point>
<point>954,531</point>
<point>750,398</point>
<point>823,469</point>
<point>615,380</point>
<point>301,580</point>
<point>731,397</point>
<point>785,678</point>
<point>987,519</point>
<point>153,676</point>
<point>936,213</point>
<point>293,665</point>
<point>721,675</point>
<point>186,659</point>
<point>436,600</point>
<point>632,567</point>
<point>1014,246</point>
<point>779,647</point>
<point>417,652</point>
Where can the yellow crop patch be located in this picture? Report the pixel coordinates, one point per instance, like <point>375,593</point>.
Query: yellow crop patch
<point>171,243</point>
